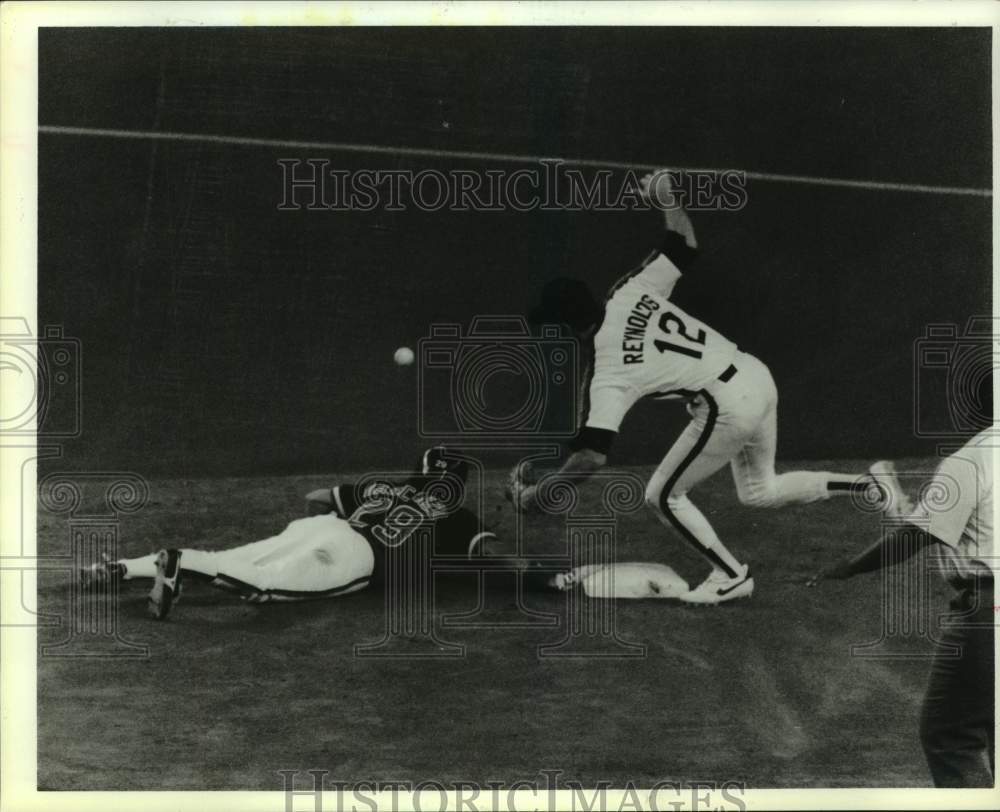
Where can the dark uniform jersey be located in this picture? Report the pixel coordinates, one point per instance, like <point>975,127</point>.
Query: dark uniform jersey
<point>409,522</point>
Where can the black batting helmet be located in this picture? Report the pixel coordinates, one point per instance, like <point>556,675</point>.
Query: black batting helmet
<point>437,461</point>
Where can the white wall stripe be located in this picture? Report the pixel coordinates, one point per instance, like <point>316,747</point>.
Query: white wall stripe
<point>498,157</point>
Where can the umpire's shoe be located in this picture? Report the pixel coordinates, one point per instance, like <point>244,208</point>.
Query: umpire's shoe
<point>719,588</point>
<point>167,586</point>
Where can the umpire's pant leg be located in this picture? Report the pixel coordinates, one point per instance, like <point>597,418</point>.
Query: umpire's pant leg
<point>957,718</point>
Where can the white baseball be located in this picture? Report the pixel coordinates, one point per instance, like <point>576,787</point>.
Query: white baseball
<point>403,357</point>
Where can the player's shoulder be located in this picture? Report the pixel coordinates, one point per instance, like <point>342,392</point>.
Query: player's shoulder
<point>966,472</point>
<point>979,452</point>
<point>624,288</point>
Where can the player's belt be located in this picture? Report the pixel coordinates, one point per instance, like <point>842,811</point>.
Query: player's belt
<point>727,375</point>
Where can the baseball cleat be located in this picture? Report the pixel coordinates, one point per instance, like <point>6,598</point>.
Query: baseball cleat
<point>101,575</point>
<point>719,588</point>
<point>167,586</point>
<point>895,503</point>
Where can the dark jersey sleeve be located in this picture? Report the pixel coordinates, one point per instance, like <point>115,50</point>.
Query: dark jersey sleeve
<point>458,533</point>
<point>345,499</point>
<point>675,248</point>
<point>594,439</point>
<point>672,235</point>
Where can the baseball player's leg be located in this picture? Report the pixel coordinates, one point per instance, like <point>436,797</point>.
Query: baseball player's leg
<point>326,566</point>
<point>203,563</point>
<point>703,448</point>
<point>163,567</point>
<point>169,568</point>
<point>757,483</point>
<point>316,557</point>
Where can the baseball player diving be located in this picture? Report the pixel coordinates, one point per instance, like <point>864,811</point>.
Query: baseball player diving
<point>356,533</point>
<point>341,547</point>
<point>644,345</point>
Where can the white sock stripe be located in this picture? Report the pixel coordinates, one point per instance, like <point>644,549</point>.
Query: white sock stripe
<point>378,149</point>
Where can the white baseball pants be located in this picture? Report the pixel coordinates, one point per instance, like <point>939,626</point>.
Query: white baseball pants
<point>315,557</point>
<point>734,422</point>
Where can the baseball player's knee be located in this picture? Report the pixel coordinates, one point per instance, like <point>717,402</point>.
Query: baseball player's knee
<point>654,495</point>
<point>676,502</point>
<point>660,502</point>
<point>760,495</point>
<point>653,489</point>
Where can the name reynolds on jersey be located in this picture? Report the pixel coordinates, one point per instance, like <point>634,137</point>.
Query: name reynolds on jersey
<point>633,339</point>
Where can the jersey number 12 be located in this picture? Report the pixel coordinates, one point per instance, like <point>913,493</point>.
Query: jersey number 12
<point>668,319</point>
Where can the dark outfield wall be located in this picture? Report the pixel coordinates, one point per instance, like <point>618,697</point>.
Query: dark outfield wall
<point>220,334</point>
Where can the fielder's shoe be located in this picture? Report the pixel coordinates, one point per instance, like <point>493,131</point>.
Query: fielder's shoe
<point>100,576</point>
<point>167,585</point>
<point>719,587</point>
<point>895,503</point>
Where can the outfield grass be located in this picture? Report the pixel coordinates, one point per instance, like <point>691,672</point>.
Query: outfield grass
<point>762,691</point>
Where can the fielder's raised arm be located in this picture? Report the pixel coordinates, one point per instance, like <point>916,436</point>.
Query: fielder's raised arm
<point>616,333</point>
<point>644,344</point>
<point>679,242</point>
